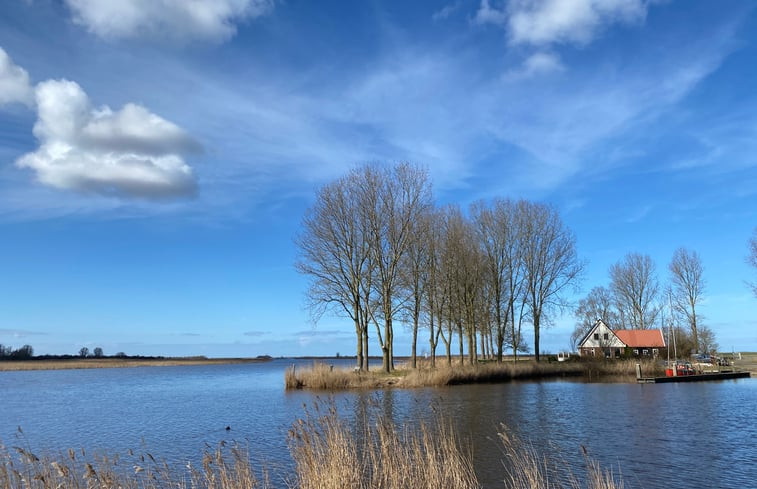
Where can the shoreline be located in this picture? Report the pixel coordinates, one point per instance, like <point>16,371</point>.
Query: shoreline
<point>324,377</point>
<point>90,363</point>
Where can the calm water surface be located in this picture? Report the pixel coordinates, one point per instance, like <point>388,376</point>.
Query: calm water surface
<point>667,435</point>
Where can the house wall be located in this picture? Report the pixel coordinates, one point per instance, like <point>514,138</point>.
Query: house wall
<point>601,337</point>
<point>617,352</point>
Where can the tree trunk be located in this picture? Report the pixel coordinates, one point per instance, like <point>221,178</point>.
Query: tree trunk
<point>536,337</point>
<point>460,340</point>
<point>366,357</point>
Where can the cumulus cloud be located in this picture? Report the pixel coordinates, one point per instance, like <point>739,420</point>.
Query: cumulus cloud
<point>129,152</point>
<point>14,82</point>
<point>541,23</point>
<point>213,20</point>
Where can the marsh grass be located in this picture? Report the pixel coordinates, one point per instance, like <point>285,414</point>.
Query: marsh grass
<point>324,377</point>
<point>329,452</point>
<point>528,469</point>
<point>226,467</point>
<point>87,363</point>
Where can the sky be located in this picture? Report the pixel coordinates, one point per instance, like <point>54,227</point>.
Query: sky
<point>157,156</point>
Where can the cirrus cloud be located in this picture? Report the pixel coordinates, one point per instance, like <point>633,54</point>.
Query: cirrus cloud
<point>130,152</point>
<point>213,20</point>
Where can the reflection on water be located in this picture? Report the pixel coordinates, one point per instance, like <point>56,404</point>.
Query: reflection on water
<point>676,435</point>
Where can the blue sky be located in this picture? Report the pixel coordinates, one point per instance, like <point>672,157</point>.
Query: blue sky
<point>156,157</point>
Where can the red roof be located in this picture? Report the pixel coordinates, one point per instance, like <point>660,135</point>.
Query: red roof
<point>640,338</point>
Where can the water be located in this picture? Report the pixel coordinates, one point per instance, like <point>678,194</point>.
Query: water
<point>666,435</point>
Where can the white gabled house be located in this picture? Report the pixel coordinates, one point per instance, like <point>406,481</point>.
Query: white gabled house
<point>602,341</point>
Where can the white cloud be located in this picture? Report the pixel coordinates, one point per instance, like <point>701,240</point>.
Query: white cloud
<point>129,152</point>
<point>541,23</point>
<point>175,19</point>
<point>537,64</point>
<point>446,11</point>
<point>486,14</point>
<point>14,82</point>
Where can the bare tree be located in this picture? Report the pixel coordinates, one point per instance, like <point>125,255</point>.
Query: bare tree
<point>84,352</point>
<point>598,304</point>
<point>335,254</point>
<point>415,277</point>
<point>635,288</point>
<point>707,341</point>
<point>493,231</point>
<point>446,302</point>
<point>98,352</point>
<point>752,257</point>
<point>687,287</point>
<point>394,198</point>
<point>550,260</point>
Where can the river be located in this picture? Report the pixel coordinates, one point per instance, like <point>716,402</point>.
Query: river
<point>656,435</point>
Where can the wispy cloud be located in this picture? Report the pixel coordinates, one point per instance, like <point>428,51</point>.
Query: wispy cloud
<point>181,20</point>
<point>446,11</point>
<point>539,63</point>
<point>256,334</point>
<point>545,24</point>
<point>14,82</point>
<point>21,333</point>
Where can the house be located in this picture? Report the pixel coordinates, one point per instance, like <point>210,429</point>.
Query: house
<point>601,340</point>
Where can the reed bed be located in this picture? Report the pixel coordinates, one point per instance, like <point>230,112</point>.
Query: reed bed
<point>328,453</point>
<point>85,363</point>
<point>225,468</point>
<point>324,377</point>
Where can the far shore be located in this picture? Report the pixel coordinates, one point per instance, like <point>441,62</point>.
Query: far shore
<point>109,362</point>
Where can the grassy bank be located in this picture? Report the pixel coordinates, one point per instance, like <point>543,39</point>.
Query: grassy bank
<point>324,377</point>
<point>76,363</point>
<point>327,452</point>
<point>748,362</point>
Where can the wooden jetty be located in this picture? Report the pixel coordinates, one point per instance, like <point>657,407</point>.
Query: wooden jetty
<point>690,377</point>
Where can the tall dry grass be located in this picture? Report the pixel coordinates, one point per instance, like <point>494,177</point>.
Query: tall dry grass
<point>527,469</point>
<point>328,453</point>
<point>225,468</point>
<point>324,377</point>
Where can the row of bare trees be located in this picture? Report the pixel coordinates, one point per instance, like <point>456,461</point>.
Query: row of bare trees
<point>377,250</point>
<point>635,298</point>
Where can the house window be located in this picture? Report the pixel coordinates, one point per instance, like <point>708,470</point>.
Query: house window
<point>607,336</point>
<point>645,352</point>
<point>617,352</point>
<point>596,336</point>
<point>593,352</point>
<point>635,351</point>
<point>655,351</point>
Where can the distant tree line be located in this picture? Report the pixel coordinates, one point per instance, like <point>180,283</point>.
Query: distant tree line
<point>26,352</point>
<point>23,353</point>
<point>376,249</point>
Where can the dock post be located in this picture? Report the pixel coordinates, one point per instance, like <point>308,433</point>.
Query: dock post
<point>638,371</point>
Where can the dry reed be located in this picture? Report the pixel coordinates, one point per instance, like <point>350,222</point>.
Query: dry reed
<point>528,469</point>
<point>324,377</point>
<point>225,468</point>
<point>86,363</point>
<point>328,452</point>
<point>328,455</point>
